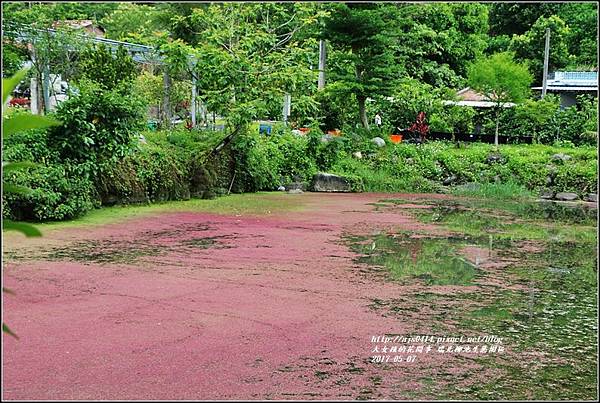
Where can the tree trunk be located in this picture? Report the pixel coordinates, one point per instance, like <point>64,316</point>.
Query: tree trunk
<point>166,115</point>
<point>362,110</point>
<point>37,92</point>
<point>497,124</point>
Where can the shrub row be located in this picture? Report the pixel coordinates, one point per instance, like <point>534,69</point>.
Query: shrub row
<point>161,168</point>
<point>173,166</point>
<point>267,162</point>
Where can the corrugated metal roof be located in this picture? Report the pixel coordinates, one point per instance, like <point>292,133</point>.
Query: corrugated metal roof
<point>468,94</point>
<point>564,88</point>
<point>478,104</point>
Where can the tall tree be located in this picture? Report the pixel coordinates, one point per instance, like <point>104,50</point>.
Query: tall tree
<point>582,19</point>
<point>517,18</point>
<point>437,41</point>
<point>530,46</point>
<point>365,33</point>
<point>247,55</point>
<point>501,80</point>
<point>132,22</point>
<point>98,63</point>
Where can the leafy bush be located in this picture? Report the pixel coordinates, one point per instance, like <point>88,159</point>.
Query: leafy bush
<point>547,123</point>
<point>98,64</point>
<point>336,107</point>
<point>29,145</point>
<point>174,165</point>
<point>295,161</point>
<point>409,168</point>
<point>576,177</point>
<point>257,163</point>
<point>58,192</point>
<point>97,123</point>
<point>169,166</point>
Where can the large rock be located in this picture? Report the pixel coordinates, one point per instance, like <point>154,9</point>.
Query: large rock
<point>591,197</point>
<point>296,186</point>
<point>547,195</point>
<point>550,179</point>
<point>565,196</point>
<point>449,180</point>
<point>324,182</point>
<point>378,141</point>
<point>561,157</point>
<point>495,159</point>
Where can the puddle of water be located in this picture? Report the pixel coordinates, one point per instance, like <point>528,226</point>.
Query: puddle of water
<point>580,213</point>
<point>430,260</point>
<point>549,324</point>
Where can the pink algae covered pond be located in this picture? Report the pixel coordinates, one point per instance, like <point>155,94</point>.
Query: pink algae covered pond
<point>286,305</point>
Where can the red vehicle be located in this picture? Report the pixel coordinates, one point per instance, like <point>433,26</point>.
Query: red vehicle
<point>19,102</point>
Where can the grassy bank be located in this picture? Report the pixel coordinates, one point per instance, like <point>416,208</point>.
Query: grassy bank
<point>260,203</point>
<point>178,165</point>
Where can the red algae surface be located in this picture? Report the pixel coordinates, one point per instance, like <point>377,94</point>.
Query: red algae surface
<point>195,305</point>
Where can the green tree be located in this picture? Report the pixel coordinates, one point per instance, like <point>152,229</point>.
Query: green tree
<point>508,19</point>
<point>132,22</point>
<point>530,46</point>
<point>246,56</point>
<point>43,14</point>
<point>176,18</point>
<point>97,63</point>
<point>364,34</point>
<point>518,18</point>
<point>98,124</point>
<point>103,114</point>
<point>538,118</point>
<point>582,19</point>
<point>438,40</point>
<point>49,53</point>
<point>14,56</point>
<point>501,80</point>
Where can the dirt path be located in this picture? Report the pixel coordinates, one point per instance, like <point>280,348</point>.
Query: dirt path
<point>204,306</point>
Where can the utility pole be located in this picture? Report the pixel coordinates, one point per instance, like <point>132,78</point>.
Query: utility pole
<point>322,62</point>
<point>46,88</point>
<point>287,106</point>
<point>166,118</point>
<point>546,57</point>
<point>193,103</point>
<point>36,99</point>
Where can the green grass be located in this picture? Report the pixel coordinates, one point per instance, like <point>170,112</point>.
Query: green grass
<point>517,219</point>
<point>243,204</point>
<point>503,191</point>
